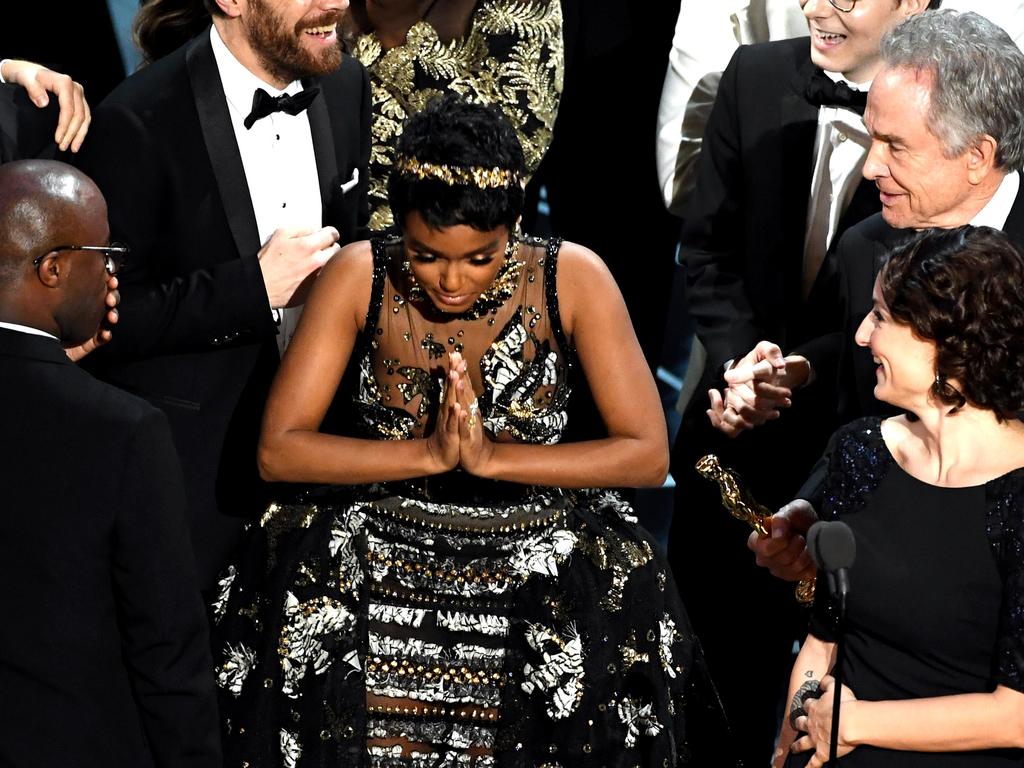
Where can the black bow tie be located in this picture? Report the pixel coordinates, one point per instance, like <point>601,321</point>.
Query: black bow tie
<point>823,91</point>
<point>264,104</point>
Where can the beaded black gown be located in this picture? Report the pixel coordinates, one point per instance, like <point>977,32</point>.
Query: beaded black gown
<point>936,603</point>
<point>452,621</point>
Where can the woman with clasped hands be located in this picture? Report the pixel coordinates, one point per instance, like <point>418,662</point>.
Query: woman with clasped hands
<point>934,645</point>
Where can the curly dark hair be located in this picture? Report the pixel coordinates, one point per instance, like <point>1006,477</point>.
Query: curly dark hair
<point>452,131</point>
<point>963,289</point>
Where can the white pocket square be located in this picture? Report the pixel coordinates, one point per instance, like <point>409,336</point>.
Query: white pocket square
<point>351,182</point>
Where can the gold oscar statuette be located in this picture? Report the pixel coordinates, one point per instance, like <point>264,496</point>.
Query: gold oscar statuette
<point>741,505</point>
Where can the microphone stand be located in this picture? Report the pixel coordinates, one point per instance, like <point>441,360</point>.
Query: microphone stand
<point>841,585</point>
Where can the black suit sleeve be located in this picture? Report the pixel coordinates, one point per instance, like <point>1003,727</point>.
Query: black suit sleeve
<point>365,140</point>
<point>161,617</point>
<point>710,247</point>
<point>161,309</point>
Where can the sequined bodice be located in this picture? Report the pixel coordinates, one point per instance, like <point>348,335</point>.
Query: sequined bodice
<point>512,340</point>
<point>511,57</point>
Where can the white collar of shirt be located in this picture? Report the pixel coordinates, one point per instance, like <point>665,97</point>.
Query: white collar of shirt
<point>239,83</point>
<point>836,77</point>
<point>27,329</point>
<point>997,210</point>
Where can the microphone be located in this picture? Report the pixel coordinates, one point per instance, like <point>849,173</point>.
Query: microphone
<point>833,549</point>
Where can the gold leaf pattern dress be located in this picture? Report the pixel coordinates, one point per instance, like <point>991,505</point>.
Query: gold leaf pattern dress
<point>512,57</point>
<point>453,621</point>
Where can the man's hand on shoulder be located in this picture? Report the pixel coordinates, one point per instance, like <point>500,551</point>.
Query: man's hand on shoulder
<point>784,551</point>
<point>73,122</point>
<point>290,260</point>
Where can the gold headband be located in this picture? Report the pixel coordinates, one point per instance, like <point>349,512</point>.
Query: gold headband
<point>484,178</point>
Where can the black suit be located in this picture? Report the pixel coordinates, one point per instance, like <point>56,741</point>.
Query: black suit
<point>104,649</point>
<point>858,259</point>
<point>26,131</point>
<point>196,336</point>
<point>742,247</point>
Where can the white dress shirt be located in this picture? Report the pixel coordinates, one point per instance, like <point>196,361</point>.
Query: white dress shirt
<point>28,329</point>
<point>707,34</point>
<point>997,209</point>
<point>277,155</point>
<point>841,145</point>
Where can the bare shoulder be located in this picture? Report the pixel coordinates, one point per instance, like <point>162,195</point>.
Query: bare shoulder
<point>345,282</point>
<point>353,262</point>
<point>583,281</point>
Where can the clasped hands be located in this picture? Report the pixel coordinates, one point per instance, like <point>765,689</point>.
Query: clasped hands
<point>458,439</point>
<point>759,386</point>
<point>816,726</point>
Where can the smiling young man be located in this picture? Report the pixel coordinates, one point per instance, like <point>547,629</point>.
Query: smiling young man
<point>779,178</point>
<point>233,167</point>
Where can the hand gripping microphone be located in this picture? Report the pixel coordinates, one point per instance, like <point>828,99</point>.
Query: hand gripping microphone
<point>833,549</point>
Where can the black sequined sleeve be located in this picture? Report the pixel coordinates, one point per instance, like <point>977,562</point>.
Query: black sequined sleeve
<point>857,462</point>
<point>1005,524</point>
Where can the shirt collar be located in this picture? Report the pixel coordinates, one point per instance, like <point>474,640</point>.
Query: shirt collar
<point>836,77</point>
<point>239,83</point>
<point>27,329</point>
<point>997,209</point>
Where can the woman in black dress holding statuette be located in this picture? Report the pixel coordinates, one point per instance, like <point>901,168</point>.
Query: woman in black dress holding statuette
<point>934,643</point>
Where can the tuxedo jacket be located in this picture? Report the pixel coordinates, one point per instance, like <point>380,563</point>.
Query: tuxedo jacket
<point>196,336</point>
<point>859,258</point>
<point>26,131</point>
<point>104,649</point>
<point>742,242</point>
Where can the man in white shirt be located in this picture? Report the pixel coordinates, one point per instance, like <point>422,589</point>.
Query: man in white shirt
<point>706,36</point>
<point>234,167</point>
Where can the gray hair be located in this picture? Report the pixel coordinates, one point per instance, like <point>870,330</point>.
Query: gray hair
<point>977,80</point>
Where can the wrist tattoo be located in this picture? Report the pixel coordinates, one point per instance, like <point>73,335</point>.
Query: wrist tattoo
<point>809,690</point>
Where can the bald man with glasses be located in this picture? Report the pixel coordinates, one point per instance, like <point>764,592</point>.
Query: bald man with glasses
<point>104,655</point>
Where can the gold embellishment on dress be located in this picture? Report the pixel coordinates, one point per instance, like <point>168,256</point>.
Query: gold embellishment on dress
<point>419,382</point>
<point>512,57</point>
<point>278,520</point>
<point>621,557</point>
<point>630,654</point>
<point>475,176</point>
<point>739,502</point>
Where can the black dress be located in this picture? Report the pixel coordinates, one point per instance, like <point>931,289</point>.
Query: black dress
<point>451,621</point>
<point>936,602</point>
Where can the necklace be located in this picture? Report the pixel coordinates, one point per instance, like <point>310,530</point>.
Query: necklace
<point>504,284</point>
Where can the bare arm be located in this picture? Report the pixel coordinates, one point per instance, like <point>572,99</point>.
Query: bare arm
<point>959,723</point>
<point>635,453</point>
<point>811,666</point>
<point>291,446</point>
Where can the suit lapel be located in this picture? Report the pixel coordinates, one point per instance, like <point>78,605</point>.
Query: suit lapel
<point>323,146</point>
<point>221,146</point>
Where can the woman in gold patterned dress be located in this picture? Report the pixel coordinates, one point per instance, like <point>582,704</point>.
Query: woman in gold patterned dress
<point>502,52</point>
<point>453,588</point>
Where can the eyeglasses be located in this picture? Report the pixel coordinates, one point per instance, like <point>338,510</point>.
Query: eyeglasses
<point>843,6</point>
<point>113,254</point>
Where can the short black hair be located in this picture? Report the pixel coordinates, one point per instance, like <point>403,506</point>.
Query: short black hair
<point>452,131</point>
<point>963,290</point>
